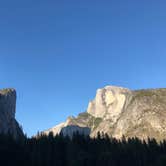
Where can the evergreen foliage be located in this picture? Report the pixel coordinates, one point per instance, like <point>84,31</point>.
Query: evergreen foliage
<point>81,151</point>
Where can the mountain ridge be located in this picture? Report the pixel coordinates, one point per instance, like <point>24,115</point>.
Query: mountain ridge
<point>119,111</point>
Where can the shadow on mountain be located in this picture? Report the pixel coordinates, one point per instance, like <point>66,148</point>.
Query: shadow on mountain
<point>73,129</point>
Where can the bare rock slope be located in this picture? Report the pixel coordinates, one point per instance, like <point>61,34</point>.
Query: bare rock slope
<point>119,111</point>
<point>8,124</point>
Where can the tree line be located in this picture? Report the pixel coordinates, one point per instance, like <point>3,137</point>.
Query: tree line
<point>80,150</point>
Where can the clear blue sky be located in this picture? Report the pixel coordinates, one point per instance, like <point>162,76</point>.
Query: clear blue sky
<point>57,53</point>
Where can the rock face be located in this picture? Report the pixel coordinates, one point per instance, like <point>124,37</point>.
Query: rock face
<point>109,103</point>
<point>8,124</point>
<point>70,130</point>
<point>119,111</point>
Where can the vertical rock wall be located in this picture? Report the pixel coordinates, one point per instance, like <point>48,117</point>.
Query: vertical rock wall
<point>8,124</point>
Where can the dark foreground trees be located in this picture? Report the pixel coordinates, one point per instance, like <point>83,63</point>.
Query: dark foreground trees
<point>80,151</point>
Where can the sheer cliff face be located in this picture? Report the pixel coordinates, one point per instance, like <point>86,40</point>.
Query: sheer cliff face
<point>8,124</point>
<point>109,103</point>
<point>119,111</point>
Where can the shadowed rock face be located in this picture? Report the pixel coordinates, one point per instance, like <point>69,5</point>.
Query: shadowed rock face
<point>8,124</point>
<point>119,111</point>
<point>70,130</point>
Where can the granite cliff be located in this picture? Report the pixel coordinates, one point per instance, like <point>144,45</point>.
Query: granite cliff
<point>8,123</point>
<point>119,111</point>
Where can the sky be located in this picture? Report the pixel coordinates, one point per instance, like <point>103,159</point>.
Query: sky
<point>56,54</point>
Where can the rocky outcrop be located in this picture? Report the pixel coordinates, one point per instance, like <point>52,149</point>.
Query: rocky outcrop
<point>8,124</point>
<point>69,128</point>
<point>119,111</point>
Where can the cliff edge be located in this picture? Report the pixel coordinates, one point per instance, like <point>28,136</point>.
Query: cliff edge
<point>8,123</point>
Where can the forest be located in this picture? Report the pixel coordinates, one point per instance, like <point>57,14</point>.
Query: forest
<point>80,150</point>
